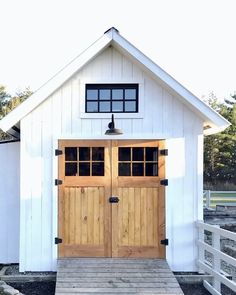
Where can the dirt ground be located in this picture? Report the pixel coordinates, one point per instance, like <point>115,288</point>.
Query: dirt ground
<point>35,288</point>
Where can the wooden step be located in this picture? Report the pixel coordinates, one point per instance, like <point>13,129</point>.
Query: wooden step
<point>115,276</point>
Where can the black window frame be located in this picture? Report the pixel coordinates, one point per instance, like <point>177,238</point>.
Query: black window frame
<point>123,86</point>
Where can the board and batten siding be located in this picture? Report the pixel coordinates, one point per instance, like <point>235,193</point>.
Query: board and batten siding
<point>9,202</point>
<point>61,116</point>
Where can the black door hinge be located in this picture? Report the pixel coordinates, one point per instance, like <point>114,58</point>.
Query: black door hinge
<point>58,241</point>
<point>58,152</point>
<point>164,152</point>
<point>58,182</point>
<point>164,182</point>
<point>165,242</point>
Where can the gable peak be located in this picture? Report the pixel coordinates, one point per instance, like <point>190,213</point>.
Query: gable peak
<point>111,29</point>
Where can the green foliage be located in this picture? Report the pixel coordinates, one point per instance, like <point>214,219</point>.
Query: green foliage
<point>8,103</point>
<point>220,149</point>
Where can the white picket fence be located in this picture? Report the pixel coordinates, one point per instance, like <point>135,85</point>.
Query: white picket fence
<point>214,266</point>
<point>209,196</point>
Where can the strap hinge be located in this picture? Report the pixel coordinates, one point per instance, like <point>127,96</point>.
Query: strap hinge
<point>165,242</point>
<point>58,152</point>
<point>164,182</point>
<point>164,152</point>
<point>58,182</point>
<point>58,241</point>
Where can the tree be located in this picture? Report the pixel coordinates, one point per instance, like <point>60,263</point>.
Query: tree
<point>219,149</point>
<point>8,103</point>
<point>4,96</point>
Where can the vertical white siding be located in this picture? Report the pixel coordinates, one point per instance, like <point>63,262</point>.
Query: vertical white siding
<point>9,202</point>
<point>184,193</point>
<point>162,116</point>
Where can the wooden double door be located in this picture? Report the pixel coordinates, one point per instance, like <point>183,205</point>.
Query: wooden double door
<point>111,203</point>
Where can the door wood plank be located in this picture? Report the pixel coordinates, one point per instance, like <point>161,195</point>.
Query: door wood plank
<point>143,217</point>
<point>78,215</point>
<point>84,216</point>
<point>125,220</point>
<point>90,220</point>
<point>101,215</point>
<point>137,220</point>
<point>131,216</point>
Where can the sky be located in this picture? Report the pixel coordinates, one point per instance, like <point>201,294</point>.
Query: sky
<point>193,40</point>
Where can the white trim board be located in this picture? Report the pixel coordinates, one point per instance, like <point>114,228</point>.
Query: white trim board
<point>112,37</point>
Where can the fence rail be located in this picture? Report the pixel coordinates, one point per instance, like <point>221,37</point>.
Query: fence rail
<point>214,266</point>
<point>213,198</point>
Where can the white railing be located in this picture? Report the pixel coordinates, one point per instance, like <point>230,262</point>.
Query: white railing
<point>219,198</point>
<point>213,266</point>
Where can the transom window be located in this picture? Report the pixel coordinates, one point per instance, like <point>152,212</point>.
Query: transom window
<point>138,161</point>
<point>111,98</point>
<point>84,161</point>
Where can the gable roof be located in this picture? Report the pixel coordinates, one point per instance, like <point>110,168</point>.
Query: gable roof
<point>213,122</point>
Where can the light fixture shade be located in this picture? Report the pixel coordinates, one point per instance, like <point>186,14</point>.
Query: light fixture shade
<point>112,130</point>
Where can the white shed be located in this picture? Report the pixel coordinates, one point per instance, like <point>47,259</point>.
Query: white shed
<point>69,168</point>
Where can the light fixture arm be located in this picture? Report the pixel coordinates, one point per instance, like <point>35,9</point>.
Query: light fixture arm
<point>112,130</point>
<point>111,125</point>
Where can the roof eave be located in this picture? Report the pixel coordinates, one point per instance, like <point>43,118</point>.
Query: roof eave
<point>215,129</point>
<point>218,123</point>
<point>55,82</point>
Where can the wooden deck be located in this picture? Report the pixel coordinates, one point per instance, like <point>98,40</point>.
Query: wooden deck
<point>115,276</point>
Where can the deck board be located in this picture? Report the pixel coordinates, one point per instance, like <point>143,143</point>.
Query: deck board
<point>115,276</point>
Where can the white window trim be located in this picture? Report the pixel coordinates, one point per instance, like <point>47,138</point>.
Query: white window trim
<point>138,115</point>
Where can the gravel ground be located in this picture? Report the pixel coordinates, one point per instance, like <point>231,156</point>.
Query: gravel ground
<point>14,270</point>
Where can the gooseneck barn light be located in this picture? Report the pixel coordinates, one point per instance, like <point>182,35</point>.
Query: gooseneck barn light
<point>112,130</point>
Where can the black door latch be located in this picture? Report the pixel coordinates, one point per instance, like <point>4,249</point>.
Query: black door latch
<point>113,199</point>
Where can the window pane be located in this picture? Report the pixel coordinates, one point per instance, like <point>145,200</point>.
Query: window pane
<point>84,153</point>
<point>105,106</point>
<point>138,154</point>
<point>138,169</point>
<point>70,169</point>
<point>117,93</point>
<point>98,154</point>
<point>130,106</point>
<point>124,169</point>
<point>92,94</point>
<point>71,154</point>
<point>130,93</point>
<point>151,154</point>
<point>92,107</point>
<point>84,169</point>
<point>98,169</point>
<point>151,169</point>
<point>104,94</point>
<point>117,106</point>
<point>124,154</point>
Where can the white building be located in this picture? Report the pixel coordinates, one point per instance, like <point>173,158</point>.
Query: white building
<point>70,113</point>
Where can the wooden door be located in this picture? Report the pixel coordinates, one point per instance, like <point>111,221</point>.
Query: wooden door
<point>84,212</point>
<point>92,172</point>
<point>138,219</point>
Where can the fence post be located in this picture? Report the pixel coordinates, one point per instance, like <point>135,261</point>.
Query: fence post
<point>208,199</point>
<point>216,260</point>
<point>201,251</point>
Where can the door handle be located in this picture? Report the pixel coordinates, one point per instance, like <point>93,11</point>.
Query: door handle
<point>114,199</point>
